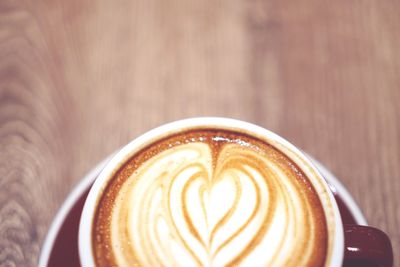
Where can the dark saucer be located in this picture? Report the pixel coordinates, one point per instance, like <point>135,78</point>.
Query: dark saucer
<point>61,245</point>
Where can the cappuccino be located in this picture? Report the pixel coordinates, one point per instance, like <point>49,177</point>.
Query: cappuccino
<point>209,197</point>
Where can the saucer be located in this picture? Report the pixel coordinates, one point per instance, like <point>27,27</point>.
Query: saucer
<point>60,247</point>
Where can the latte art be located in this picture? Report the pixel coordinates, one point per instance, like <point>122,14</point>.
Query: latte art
<point>209,198</point>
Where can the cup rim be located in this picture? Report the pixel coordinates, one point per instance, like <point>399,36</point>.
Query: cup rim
<point>335,228</point>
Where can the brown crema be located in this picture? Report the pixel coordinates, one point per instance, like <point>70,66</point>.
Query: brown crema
<point>209,197</point>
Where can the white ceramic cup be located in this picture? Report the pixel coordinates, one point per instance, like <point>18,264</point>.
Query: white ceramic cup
<point>335,252</point>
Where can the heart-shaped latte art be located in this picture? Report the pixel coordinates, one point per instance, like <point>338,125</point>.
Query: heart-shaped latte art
<point>190,206</point>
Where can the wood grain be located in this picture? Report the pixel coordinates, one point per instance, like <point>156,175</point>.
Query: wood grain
<point>78,79</point>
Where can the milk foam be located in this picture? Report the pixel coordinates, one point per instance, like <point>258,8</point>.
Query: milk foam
<point>188,206</point>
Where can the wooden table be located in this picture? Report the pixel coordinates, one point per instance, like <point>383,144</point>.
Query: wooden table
<point>80,78</point>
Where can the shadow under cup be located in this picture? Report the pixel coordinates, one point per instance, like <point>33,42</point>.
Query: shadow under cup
<point>346,243</point>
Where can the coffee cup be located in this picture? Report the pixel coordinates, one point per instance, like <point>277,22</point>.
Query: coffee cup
<point>216,192</point>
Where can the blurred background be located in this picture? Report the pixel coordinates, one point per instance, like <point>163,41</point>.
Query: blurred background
<point>80,78</point>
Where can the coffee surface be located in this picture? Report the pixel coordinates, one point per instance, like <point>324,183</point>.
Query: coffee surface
<point>210,198</point>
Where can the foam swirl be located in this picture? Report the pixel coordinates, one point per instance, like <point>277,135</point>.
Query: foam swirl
<point>190,206</point>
